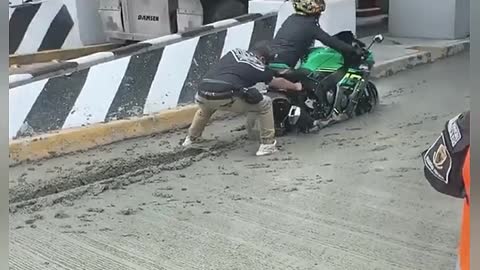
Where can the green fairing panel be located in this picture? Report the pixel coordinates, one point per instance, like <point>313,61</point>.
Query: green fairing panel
<point>326,59</point>
<point>329,60</point>
<point>276,66</point>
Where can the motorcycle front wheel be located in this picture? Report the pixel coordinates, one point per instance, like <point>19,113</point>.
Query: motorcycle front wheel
<point>369,99</point>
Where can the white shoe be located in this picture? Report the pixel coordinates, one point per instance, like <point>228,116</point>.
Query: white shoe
<point>321,124</point>
<point>187,142</point>
<point>267,149</point>
<point>339,117</point>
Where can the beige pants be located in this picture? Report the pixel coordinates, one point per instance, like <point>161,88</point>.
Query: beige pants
<point>262,112</point>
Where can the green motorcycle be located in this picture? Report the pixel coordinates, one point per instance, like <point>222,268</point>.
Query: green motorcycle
<point>336,87</point>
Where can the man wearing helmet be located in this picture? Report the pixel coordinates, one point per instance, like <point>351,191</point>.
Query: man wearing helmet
<point>299,32</point>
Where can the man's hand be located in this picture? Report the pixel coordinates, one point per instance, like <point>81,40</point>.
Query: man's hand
<point>298,86</point>
<point>281,83</point>
<point>360,52</point>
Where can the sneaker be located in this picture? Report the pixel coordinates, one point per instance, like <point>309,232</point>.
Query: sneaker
<point>200,140</point>
<point>267,149</point>
<point>187,142</point>
<point>339,117</point>
<point>321,124</point>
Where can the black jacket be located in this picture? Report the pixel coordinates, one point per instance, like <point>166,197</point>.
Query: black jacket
<point>297,35</point>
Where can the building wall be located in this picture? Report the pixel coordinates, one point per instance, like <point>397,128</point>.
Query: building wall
<point>429,19</point>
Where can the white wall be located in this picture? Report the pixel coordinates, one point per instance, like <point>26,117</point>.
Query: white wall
<point>429,18</point>
<point>90,24</point>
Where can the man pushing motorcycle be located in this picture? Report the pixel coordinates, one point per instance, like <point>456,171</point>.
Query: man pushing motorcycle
<point>299,32</point>
<point>229,86</point>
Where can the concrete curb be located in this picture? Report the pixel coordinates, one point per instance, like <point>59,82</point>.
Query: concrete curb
<point>425,55</point>
<point>393,66</point>
<point>88,137</point>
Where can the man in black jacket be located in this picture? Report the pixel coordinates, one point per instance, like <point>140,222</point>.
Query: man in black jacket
<point>229,86</point>
<point>299,32</point>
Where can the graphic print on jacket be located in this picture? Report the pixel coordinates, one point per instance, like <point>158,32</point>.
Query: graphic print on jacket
<point>240,68</point>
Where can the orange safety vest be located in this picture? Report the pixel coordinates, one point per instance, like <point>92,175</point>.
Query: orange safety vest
<point>464,245</point>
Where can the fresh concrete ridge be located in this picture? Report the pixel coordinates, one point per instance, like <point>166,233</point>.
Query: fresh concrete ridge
<point>393,56</point>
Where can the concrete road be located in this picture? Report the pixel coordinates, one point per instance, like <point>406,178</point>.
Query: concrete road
<point>352,196</point>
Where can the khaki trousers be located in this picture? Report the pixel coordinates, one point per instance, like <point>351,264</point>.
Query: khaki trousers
<point>262,112</point>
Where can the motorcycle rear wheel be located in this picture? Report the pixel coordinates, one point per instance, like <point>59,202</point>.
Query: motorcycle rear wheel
<point>281,107</point>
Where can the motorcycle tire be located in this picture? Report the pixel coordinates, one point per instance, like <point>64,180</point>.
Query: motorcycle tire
<point>305,123</point>
<point>368,101</point>
<point>281,107</point>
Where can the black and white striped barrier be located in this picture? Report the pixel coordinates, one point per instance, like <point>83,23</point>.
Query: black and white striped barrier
<point>139,79</point>
<point>53,24</point>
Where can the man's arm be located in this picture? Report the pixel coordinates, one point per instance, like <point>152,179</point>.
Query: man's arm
<point>269,77</point>
<point>281,83</point>
<point>333,42</point>
<point>444,159</point>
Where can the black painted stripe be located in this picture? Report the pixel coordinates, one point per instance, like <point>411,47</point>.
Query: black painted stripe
<point>130,49</point>
<point>135,86</point>
<point>197,31</point>
<point>18,24</point>
<point>207,53</point>
<point>55,102</point>
<point>248,17</point>
<point>263,29</point>
<point>57,31</point>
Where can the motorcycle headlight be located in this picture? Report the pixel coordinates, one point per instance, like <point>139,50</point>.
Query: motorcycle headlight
<point>363,67</point>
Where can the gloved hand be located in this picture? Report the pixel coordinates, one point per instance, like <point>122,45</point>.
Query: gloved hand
<point>356,56</point>
<point>360,52</point>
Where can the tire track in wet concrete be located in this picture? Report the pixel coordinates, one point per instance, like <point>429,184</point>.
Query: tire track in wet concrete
<point>109,173</point>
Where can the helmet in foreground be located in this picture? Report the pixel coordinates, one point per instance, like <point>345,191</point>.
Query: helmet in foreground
<point>309,7</point>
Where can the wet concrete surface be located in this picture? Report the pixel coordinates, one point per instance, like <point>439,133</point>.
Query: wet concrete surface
<point>352,196</point>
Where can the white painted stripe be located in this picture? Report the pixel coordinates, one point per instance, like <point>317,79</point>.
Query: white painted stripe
<point>224,23</point>
<point>284,11</point>
<point>73,39</point>
<point>93,58</point>
<point>238,37</point>
<point>39,26</point>
<point>21,100</point>
<point>170,76</point>
<point>163,39</point>
<point>97,94</point>
<point>19,77</point>
<point>10,12</point>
